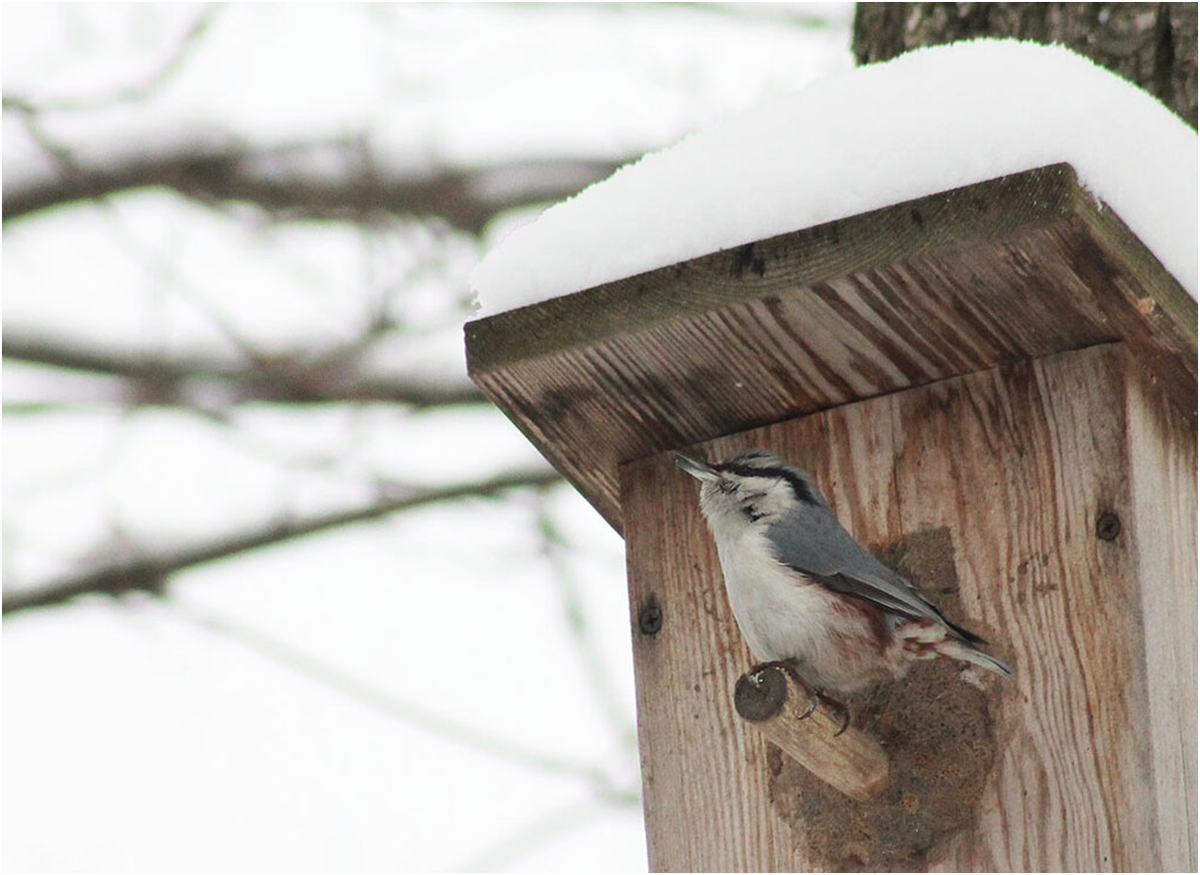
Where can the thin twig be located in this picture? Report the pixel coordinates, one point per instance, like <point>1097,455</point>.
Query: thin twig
<point>379,701</point>
<point>523,840</point>
<point>280,181</point>
<point>177,380</point>
<point>554,548</point>
<point>149,573</point>
<point>155,80</point>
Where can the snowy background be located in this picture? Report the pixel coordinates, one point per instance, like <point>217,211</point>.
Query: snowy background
<point>442,686</point>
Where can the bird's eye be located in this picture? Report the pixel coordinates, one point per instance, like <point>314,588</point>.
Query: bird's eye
<point>727,486</point>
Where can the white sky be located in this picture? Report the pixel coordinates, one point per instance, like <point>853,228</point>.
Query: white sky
<point>134,737</point>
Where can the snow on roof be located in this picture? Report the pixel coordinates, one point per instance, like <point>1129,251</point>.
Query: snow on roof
<point>928,121</point>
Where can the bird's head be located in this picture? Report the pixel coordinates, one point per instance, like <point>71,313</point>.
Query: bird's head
<point>752,488</point>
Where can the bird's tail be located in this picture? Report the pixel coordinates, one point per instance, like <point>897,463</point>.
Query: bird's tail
<point>964,651</point>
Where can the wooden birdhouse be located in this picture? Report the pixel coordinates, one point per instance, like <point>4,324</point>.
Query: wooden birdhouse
<point>996,387</point>
<point>992,376</point>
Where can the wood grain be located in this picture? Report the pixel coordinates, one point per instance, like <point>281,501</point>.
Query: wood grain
<point>1163,468</point>
<point>1094,740</point>
<point>957,282</point>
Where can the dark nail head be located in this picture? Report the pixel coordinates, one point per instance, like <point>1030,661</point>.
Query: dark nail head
<point>650,618</point>
<point>1108,526</point>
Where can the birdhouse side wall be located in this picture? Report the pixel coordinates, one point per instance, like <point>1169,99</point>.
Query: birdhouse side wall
<point>1162,458</point>
<point>991,489</point>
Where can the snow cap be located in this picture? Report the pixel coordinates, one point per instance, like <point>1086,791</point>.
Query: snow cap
<point>928,121</point>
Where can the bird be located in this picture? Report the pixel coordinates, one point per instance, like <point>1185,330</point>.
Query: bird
<point>807,597</point>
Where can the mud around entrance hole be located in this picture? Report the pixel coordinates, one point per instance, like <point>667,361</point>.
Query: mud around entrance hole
<point>937,730</point>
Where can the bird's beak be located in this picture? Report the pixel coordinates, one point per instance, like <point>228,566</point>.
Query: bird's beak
<point>698,468</point>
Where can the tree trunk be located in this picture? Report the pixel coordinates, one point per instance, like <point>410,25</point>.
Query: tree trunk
<point>1152,45</point>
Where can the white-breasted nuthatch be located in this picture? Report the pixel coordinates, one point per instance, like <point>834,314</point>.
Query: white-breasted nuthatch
<point>805,594</point>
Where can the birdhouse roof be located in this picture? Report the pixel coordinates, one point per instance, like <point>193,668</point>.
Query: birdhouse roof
<point>710,316</point>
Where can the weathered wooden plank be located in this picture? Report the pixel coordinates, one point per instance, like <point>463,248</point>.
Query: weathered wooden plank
<point>957,282</point>
<point>1162,453</point>
<point>988,488</point>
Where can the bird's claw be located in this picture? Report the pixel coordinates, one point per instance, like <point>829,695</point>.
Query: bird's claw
<point>837,707</point>
<point>813,702</point>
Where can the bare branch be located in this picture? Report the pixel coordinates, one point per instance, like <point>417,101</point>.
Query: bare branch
<point>389,705</point>
<point>297,183</point>
<point>192,382</point>
<point>149,573</point>
<point>155,80</point>
<point>556,551</point>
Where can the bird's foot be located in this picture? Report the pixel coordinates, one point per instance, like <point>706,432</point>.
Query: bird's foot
<point>838,708</point>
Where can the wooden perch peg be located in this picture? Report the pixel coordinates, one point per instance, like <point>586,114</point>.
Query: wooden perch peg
<point>775,704</point>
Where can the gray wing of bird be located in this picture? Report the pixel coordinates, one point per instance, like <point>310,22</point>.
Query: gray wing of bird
<point>809,539</point>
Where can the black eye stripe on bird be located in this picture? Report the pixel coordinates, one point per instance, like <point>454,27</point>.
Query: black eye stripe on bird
<point>848,620</point>
<point>804,491</point>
